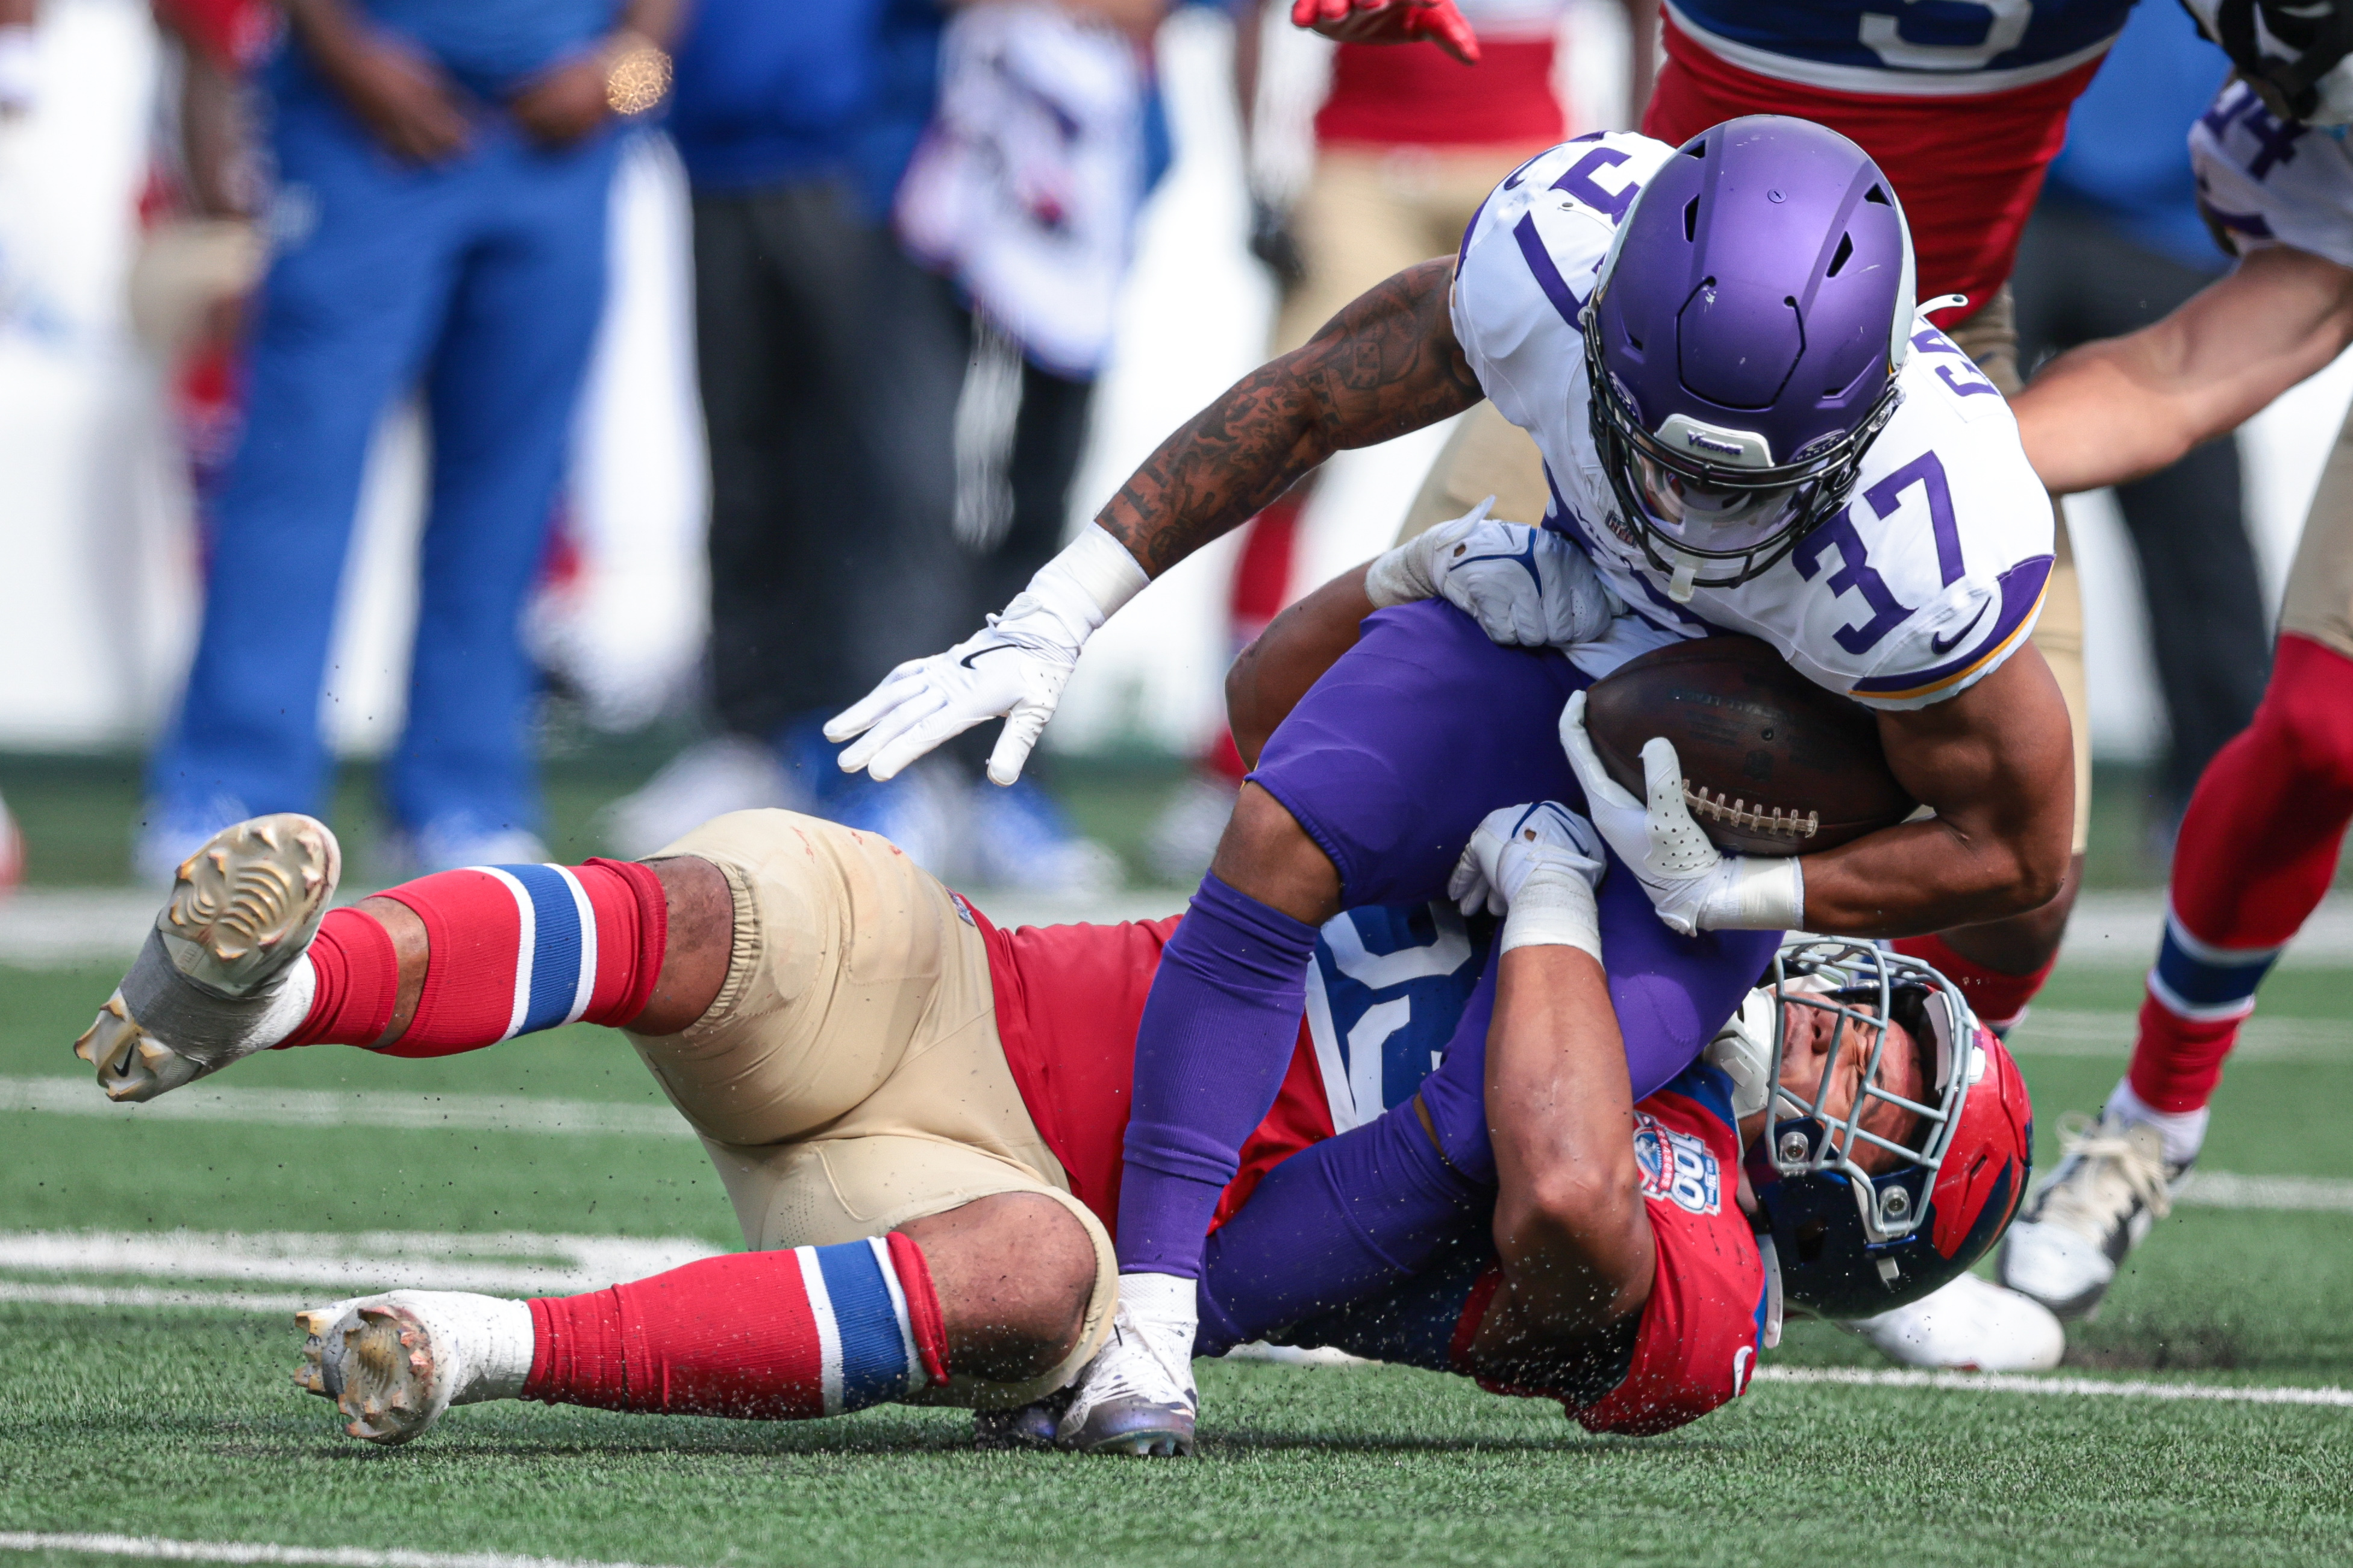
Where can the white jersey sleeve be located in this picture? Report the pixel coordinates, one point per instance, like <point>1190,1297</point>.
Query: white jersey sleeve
<point>2264,181</point>
<point>1528,264</point>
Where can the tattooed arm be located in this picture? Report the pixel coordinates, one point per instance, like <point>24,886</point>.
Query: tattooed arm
<point>1386,364</point>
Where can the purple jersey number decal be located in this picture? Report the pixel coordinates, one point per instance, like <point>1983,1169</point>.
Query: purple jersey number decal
<point>1928,473</point>
<point>1854,571</point>
<point>1578,183</point>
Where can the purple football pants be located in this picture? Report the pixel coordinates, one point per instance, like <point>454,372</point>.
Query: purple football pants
<point>1389,764</point>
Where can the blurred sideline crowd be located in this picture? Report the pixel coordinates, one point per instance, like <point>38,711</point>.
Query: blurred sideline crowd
<point>911,223</point>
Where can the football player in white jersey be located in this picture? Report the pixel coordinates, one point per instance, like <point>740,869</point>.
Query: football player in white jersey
<point>1747,428</point>
<point>2260,840</point>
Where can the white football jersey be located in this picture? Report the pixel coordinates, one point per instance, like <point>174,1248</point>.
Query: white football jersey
<point>2263,181</point>
<point>1929,577</point>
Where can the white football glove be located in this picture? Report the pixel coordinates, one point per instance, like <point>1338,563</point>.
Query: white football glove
<point>1744,1049</point>
<point>1525,587</point>
<point>1014,667</point>
<point>1537,866</point>
<point>1693,886</point>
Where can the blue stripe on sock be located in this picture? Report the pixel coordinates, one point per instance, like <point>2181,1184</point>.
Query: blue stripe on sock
<point>873,1341</point>
<point>556,954</point>
<point>2203,985</point>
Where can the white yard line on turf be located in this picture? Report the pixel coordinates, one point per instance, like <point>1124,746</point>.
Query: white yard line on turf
<point>503,1262</point>
<point>357,1107</point>
<point>2081,1032</point>
<point>2012,1383</point>
<point>170,1551</point>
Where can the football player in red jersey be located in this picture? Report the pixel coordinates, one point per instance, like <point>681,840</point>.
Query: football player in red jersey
<point>917,1116</point>
<point>2260,841</point>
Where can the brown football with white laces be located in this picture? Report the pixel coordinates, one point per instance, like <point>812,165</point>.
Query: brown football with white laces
<point>1772,765</point>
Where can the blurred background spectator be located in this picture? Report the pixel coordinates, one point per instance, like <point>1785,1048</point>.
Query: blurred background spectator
<point>439,219</point>
<point>1408,143</point>
<point>2116,242</point>
<point>893,443</point>
<point>135,175</point>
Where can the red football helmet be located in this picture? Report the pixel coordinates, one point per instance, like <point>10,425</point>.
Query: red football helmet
<point>1849,1243</point>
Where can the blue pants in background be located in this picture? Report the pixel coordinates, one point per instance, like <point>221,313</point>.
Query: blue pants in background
<point>481,282</point>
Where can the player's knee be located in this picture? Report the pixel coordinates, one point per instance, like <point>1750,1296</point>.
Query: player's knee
<point>1015,1274</point>
<point>1268,855</point>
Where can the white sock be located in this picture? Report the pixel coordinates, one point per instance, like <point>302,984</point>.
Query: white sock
<point>289,1005</point>
<point>2183,1131</point>
<point>1153,1300</point>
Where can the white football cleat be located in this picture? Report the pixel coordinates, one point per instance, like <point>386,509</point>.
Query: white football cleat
<point>394,1363</point>
<point>2113,1184</point>
<point>1136,1396</point>
<point>219,977</point>
<point>1969,1325</point>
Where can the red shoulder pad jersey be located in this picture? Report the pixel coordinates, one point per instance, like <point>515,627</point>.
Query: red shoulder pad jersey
<point>1069,999</point>
<point>1965,166</point>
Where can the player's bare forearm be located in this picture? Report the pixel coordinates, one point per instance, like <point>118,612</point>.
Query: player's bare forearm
<point>1570,1229</point>
<point>1998,764</point>
<point>1272,675</point>
<point>2122,409</point>
<point>1387,364</point>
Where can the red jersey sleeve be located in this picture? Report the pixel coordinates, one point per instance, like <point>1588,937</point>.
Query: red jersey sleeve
<point>1697,1343</point>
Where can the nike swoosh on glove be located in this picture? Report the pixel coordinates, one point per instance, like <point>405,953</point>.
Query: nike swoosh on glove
<point>1693,886</point>
<point>1391,22</point>
<point>1525,586</point>
<point>1014,667</point>
<point>1537,867</point>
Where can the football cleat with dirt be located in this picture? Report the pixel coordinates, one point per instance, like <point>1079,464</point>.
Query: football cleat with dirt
<point>392,1363</point>
<point>221,977</point>
<point>1137,1396</point>
<point>2112,1184</point>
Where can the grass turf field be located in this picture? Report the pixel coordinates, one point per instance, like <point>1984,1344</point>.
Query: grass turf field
<point>177,1422</point>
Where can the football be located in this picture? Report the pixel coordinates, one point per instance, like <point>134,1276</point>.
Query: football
<point>1773,764</point>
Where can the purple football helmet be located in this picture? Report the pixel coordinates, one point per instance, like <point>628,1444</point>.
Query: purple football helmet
<point>1744,339</point>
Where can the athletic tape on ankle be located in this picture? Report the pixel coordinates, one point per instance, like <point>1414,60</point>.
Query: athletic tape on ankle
<point>512,950</point>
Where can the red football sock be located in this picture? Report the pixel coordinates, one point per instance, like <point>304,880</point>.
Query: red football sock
<point>760,1336</point>
<point>1997,999</point>
<point>510,950</point>
<point>359,981</point>
<point>2258,846</point>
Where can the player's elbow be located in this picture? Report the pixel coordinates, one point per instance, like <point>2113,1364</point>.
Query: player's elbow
<point>1576,1212</point>
<point>2028,869</point>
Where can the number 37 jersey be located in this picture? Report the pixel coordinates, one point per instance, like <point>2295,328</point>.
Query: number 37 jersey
<point>1929,577</point>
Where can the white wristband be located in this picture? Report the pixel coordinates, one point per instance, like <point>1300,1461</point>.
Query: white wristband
<point>1099,567</point>
<point>1401,577</point>
<point>1554,908</point>
<point>1763,892</point>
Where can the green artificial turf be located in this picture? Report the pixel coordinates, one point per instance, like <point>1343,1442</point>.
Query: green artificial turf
<point>180,1423</point>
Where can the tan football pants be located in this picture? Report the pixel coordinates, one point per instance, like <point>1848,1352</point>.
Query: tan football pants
<point>1488,454</point>
<point>2319,600</point>
<point>849,1076</point>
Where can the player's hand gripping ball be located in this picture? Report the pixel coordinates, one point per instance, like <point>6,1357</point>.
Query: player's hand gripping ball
<point>1769,763</point>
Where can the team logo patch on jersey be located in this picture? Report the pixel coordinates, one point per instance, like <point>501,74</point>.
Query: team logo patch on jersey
<point>1676,1166</point>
